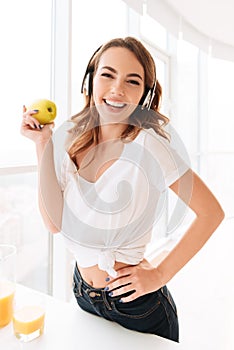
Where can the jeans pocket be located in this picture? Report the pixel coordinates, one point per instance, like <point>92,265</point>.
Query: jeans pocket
<point>137,309</point>
<point>167,295</point>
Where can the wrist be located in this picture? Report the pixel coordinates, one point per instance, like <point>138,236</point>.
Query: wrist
<point>42,146</point>
<point>160,276</point>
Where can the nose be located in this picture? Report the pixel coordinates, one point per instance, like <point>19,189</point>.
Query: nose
<point>117,87</point>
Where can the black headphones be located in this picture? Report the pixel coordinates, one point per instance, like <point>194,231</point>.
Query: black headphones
<point>87,82</point>
<point>87,85</point>
<point>148,97</point>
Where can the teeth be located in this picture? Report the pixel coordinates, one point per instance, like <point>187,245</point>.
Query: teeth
<point>115,104</point>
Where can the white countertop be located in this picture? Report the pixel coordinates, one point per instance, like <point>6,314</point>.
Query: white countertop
<point>68,327</point>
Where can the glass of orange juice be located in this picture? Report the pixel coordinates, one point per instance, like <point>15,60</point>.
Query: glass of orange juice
<point>7,283</point>
<point>29,317</point>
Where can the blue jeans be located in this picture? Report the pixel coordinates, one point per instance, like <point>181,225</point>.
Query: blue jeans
<point>153,313</point>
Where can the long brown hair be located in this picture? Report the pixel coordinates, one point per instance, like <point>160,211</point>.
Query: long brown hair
<point>86,129</point>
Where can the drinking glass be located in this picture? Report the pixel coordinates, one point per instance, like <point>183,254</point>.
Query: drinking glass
<point>7,283</point>
<point>29,316</point>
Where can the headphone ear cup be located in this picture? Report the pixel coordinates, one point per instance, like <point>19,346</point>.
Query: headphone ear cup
<point>146,102</point>
<point>86,87</point>
<point>149,97</point>
<point>87,83</point>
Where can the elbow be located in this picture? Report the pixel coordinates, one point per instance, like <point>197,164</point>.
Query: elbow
<point>217,216</point>
<point>213,216</point>
<point>53,229</point>
<point>221,214</point>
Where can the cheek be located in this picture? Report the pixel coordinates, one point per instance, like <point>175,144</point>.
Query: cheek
<point>137,93</point>
<point>139,97</point>
<point>98,90</point>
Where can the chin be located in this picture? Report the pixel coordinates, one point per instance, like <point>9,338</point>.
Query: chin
<point>114,116</point>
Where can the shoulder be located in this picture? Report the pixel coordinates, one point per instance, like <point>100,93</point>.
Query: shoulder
<point>164,147</point>
<point>171,156</point>
<point>153,141</point>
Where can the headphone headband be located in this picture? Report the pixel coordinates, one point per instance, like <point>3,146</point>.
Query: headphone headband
<point>86,80</point>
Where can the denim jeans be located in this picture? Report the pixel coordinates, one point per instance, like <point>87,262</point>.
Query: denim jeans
<point>153,313</point>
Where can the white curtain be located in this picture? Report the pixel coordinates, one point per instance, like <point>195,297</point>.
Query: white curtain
<point>175,23</point>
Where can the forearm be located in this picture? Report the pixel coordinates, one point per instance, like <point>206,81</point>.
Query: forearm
<point>50,196</point>
<point>193,240</point>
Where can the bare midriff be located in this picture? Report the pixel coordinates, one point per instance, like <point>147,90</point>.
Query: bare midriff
<point>96,277</point>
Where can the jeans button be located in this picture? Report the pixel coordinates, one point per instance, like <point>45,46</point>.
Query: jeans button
<point>92,294</point>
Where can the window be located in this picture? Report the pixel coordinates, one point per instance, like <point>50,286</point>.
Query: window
<point>89,31</point>
<point>198,104</point>
<point>154,32</point>
<point>25,71</point>
<point>186,96</point>
<point>21,225</point>
<point>25,75</point>
<point>218,158</point>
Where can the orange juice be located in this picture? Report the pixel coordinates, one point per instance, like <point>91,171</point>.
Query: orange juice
<point>29,320</point>
<point>7,291</point>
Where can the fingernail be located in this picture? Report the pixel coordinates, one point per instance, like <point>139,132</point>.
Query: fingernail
<point>120,301</point>
<point>110,294</point>
<point>36,110</point>
<point>35,127</point>
<point>107,279</point>
<point>40,127</point>
<point>106,288</point>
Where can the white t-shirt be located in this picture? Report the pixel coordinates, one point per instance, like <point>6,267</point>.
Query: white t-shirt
<point>112,219</point>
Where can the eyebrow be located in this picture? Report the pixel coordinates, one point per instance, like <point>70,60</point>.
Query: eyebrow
<point>128,75</point>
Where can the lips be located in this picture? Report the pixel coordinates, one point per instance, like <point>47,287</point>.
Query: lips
<point>115,104</point>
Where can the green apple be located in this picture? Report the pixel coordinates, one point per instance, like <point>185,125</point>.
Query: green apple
<point>46,110</point>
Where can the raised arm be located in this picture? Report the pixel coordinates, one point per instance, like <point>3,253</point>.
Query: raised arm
<point>50,196</point>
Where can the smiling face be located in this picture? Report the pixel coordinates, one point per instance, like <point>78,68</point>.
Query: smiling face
<point>118,85</point>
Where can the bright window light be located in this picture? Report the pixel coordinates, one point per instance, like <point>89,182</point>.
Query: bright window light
<point>25,28</point>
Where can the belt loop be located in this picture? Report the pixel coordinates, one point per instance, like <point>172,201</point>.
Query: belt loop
<point>77,285</point>
<point>80,288</point>
<point>78,280</point>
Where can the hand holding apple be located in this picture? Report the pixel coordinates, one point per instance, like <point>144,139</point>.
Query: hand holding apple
<point>46,110</point>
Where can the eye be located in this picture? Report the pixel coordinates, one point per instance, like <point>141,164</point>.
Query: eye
<point>134,82</point>
<point>106,75</point>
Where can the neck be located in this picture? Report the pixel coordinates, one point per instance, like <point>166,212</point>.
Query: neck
<point>111,131</point>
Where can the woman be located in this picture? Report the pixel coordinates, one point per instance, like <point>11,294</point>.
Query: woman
<point>112,180</point>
